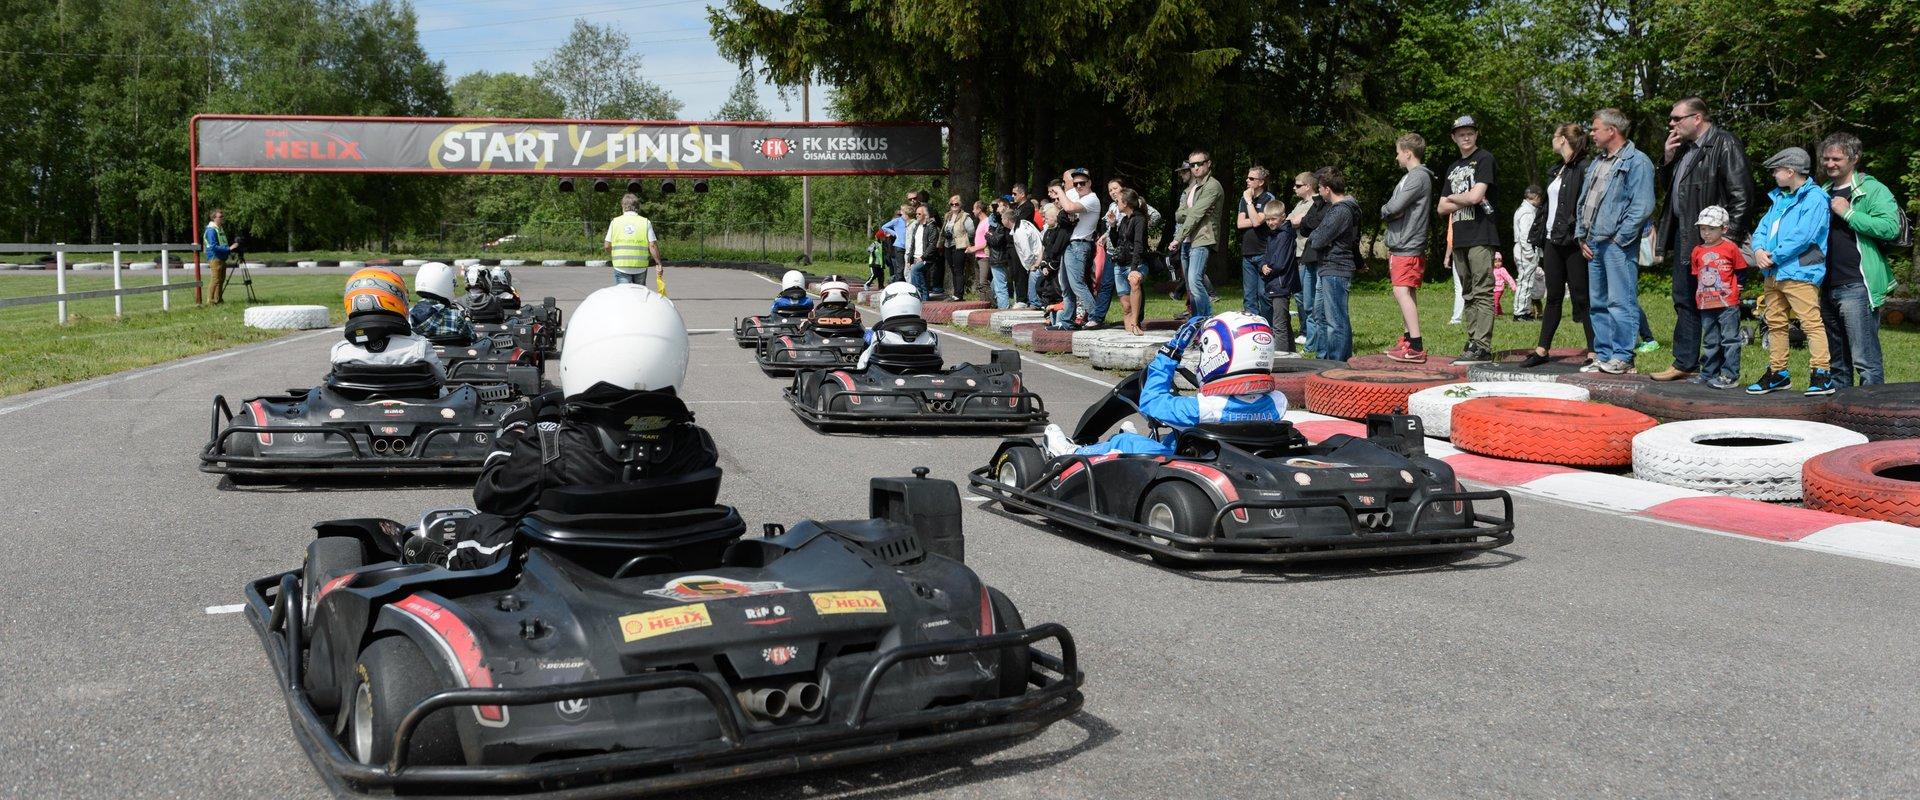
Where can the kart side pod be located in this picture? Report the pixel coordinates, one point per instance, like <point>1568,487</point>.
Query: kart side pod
<point>930,507</point>
<point>1402,433</point>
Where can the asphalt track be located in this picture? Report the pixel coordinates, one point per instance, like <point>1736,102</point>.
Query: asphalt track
<point>1597,656</point>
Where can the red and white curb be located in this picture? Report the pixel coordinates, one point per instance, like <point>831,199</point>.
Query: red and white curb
<point>1796,527</point>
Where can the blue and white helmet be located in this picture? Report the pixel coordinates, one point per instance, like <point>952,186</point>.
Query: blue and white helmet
<point>1236,355</point>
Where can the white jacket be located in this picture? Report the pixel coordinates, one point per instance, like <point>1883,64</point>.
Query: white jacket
<point>399,350</point>
<point>1026,244</point>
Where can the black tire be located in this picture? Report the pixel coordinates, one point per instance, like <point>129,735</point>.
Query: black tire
<point>392,677</point>
<point>327,558</point>
<point>1177,506</point>
<point>1015,662</point>
<point>1024,464</point>
<point>1678,401</point>
<point>1887,411</point>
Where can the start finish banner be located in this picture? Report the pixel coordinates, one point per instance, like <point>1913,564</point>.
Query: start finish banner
<point>376,144</point>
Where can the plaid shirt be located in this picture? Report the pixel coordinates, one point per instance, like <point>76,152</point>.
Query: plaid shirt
<point>436,320</point>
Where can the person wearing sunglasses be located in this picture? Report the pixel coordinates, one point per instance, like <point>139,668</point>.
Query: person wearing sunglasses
<point>1704,166</point>
<point>1078,200</point>
<point>1250,220</point>
<point>1198,217</point>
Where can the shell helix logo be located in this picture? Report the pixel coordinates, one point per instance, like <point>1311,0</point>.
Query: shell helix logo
<point>865,602</point>
<point>634,627</point>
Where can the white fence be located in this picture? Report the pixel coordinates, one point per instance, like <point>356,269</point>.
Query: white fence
<point>61,295</point>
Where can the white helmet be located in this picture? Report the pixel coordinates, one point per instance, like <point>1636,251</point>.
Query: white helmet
<point>434,279</point>
<point>899,299</point>
<point>1236,355</point>
<point>475,273</point>
<point>794,279</point>
<point>835,290</point>
<point>626,335</point>
<point>499,278</point>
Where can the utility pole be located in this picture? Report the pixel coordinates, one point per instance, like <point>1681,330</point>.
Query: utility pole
<point>806,183</point>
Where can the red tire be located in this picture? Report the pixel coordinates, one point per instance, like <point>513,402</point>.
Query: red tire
<point>1876,480</point>
<point>1434,363</point>
<point>1355,393</point>
<point>1548,431</point>
<point>1023,333</point>
<point>1290,376</point>
<point>941,311</point>
<point>1049,341</point>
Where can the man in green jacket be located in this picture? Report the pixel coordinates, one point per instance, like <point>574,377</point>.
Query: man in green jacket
<point>1197,218</point>
<point>1858,278</point>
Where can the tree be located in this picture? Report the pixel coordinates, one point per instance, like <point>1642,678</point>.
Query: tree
<point>597,75</point>
<point>743,102</point>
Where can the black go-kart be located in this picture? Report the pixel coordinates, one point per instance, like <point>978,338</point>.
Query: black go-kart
<point>1251,493</point>
<point>488,358</point>
<point>535,329</point>
<point>364,420</point>
<point>830,339</point>
<point>749,332</point>
<point>915,391</point>
<point>619,653</point>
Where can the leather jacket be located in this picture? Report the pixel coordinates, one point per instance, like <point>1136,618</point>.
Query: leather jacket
<point>1719,176</point>
<point>1571,176</point>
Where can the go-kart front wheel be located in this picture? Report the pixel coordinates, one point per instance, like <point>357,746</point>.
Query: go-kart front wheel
<point>391,678</point>
<point>1015,662</point>
<point>1178,507</point>
<point>1019,467</point>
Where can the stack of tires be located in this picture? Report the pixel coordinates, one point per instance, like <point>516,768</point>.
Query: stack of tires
<point>1877,480</point>
<point>1435,406</point>
<point>1758,459</point>
<point>1355,393</point>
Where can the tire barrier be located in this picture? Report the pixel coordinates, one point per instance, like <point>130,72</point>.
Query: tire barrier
<point>1607,388</point>
<point>413,262</point>
<point>1877,480</point>
<point>1003,321</point>
<point>463,263</point>
<point>1550,372</point>
<point>1290,376</point>
<point>354,264</point>
<point>599,263</point>
<point>1051,341</point>
<point>1435,406</point>
<point>1890,411</point>
<point>1671,402</point>
<point>1758,459</point>
<point>306,264</point>
<point>972,317</point>
<point>1083,341</point>
<point>507,262</point>
<point>1022,333</point>
<point>297,318</point>
<point>1355,393</point>
<point>90,266</point>
<point>1435,363</point>
<point>1548,431</point>
<point>1128,352</point>
<point>941,311</point>
<point>1557,355</point>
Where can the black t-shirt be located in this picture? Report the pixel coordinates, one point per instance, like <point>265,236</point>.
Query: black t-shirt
<point>1474,226</point>
<point>1252,244</point>
<point>1843,248</point>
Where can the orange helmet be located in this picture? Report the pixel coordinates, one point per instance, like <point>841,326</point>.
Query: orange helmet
<point>376,291</point>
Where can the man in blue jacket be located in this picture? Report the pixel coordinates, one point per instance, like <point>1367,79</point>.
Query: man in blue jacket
<point>214,244</point>
<point>1616,198</point>
<point>1789,248</point>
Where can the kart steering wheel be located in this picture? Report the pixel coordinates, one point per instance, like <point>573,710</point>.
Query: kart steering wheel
<point>443,524</point>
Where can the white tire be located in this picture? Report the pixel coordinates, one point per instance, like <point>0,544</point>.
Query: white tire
<point>254,264</point>
<point>599,263</point>
<point>413,262</point>
<point>353,264</point>
<point>90,266</point>
<point>6,266</point>
<point>1003,321</point>
<point>34,265</point>
<point>1023,339</point>
<point>1434,406</point>
<point>1684,454</point>
<point>1130,353</point>
<point>513,262</point>
<point>551,262</point>
<point>306,264</point>
<point>140,265</point>
<point>299,318</point>
<point>972,318</point>
<point>463,263</point>
<point>1083,341</point>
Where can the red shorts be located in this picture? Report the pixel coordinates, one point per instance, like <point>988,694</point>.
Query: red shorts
<point>1407,270</point>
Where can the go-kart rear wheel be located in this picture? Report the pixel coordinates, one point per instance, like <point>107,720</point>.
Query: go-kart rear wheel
<point>392,677</point>
<point>1015,662</point>
<point>1020,467</point>
<point>1179,507</point>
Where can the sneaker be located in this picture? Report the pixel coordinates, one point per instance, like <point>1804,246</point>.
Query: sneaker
<point>1591,366</point>
<point>1057,442</point>
<point>1721,382</point>
<point>1126,426</point>
<point>1454,321</point>
<point>1473,355</point>
<point>1613,366</point>
<point>1771,382</point>
<point>1533,360</point>
<point>1404,353</point>
<point>1697,378</point>
<point>1647,346</point>
<point>1301,339</point>
<point>1821,384</point>
<point>1021,307</point>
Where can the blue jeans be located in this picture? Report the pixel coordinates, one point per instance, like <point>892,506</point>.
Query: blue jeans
<point>1720,340</point>
<point>1330,309</point>
<point>1074,268</point>
<point>1000,297</point>
<point>1253,289</point>
<point>1613,284</point>
<point>917,275</point>
<point>1309,292</point>
<point>1109,281</point>
<point>629,277</point>
<point>1033,287</point>
<point>1853,335</point>
<point>1197,289</point>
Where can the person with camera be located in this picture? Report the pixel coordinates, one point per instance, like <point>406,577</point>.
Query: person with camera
<point>214,242</point>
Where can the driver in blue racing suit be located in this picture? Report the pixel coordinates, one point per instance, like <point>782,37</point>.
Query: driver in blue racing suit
<point>793,295</point>
<point>1236,385</point>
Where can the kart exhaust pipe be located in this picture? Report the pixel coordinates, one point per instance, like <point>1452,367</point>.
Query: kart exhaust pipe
<point>379,445</point>
<point>765,703</point>
<point>805,697</point>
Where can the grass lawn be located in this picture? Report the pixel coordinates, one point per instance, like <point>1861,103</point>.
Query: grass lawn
<point>37,352</point>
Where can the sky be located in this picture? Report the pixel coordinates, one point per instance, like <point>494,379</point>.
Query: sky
<point>671,37</point>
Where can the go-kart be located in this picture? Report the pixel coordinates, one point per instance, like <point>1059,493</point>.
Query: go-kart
<point>617,653</point>
<point>917,391</point>
<point>487,358</point>
<point>1251,493</point>
<point>830,339</point>
<point>749,332</point>
<point>365,420</point>
<point>535,329</point>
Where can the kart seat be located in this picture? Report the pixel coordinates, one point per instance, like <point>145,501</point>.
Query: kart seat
<point>666,523</point>
<point>361,381</point>
<point>1260,438</point>
<point>907,360</point>
<point>835,321</point>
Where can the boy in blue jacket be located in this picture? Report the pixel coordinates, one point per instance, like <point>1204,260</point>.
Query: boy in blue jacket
<point>1788,248</point>
<point>1280,276</point>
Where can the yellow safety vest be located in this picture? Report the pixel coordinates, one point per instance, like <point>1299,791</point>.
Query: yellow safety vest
<point>628,233</point>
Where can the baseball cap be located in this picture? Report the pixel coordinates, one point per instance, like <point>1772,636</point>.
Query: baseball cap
<point>1077,171</point>
<point>1713,216</point>
<point>1183,167</point>
<point>1006,198</point>
<point>1464,122</point>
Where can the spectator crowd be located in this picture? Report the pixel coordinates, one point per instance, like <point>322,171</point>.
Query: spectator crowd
<point>1606,211</point>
